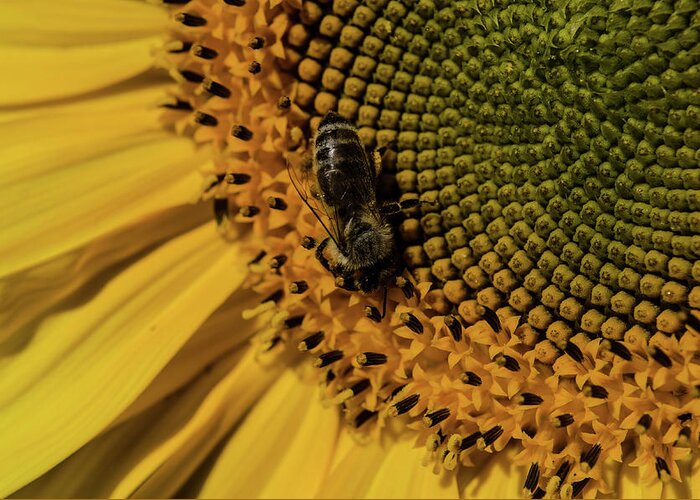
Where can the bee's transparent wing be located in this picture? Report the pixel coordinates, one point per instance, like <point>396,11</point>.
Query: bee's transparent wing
<point>301,179</point>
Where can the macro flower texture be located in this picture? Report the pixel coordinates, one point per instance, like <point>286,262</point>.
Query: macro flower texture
<point>168,329</point>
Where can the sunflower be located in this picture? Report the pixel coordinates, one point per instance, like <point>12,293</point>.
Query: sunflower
<point>159,273</point>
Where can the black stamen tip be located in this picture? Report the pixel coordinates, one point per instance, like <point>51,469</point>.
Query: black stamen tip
<point>508,362</point>
<point>184,47</point>
<point>492,319</point>
<point>435,417</point>
<point>275,296</point>
<point>278,261</point>
<point>178,104</point>
<point>371,358</point>
<point>538,493</point>
<point>297,287</point>
<point>643,424</point>
<point>308,242</point>
<point>175,2</point>
<point>284,102</point>
<point>360,386</point>
<point>242,132</point>
<point>574,351</point>
<point>471,378</point>
<point>618,348</point>
<point>249,211</point>
<point>293,321</point>
<point>693,322</point>
<point>411,322</point>
<point>595,391</point>
<point>684,418</point>
<point>254,68</point>
<point>204,52</point>
<point>217,89</point>
<point>563,471</point>
<point>578,486</point>
<point>405,404</point>
<point>237,179</point>
<point>205,119</point>
<point>312,341</point>
<point>270,344</point>
<point>363,417</point>
<point>659,356</point>
<point>220,209</point>
<point>395,391</point>
<point>191,20</point>
<point>662,467</point>
<point>563,420</point>
<point>529,399</point>
<point>276,203</point>
<point>490,436</point>
<point>533,477</point>
<point>373,313</point>
<point>469,441</point>
<point>261,254</point>
<point>328,358</point>
<point>590,457</point>
<point>406,287</point>
<point>455,326</point>
<point>235,3</point>
<point>191,76</point>
<point>257,42</point>
<point>330,376</point>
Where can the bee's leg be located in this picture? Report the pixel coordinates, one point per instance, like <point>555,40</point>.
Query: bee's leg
<point>386,292</point>
<point>321,257</point>
<point>391,208</point>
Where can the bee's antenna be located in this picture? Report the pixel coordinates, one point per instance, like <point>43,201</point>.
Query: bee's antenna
<point>384,302</point>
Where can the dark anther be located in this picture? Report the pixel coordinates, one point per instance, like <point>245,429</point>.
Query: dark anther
<point>270,344</point>
<point>178,104</point>
<point>538,493</point>
<point>574,351</point>
<point>683,418</point>
<point>249,211</point>
<point>330,376</point>
<point>492,319</point>
<point>312,341</point>
<point>396,391</point>
<point>217,89</point>
<point>184,47</point>
<point>683,437</point>
<point>257,42</point>
<point>643,424</point>
<point>371,358</point>
<point>237,179</point>
<point>470,378</point>
<point>204,52</point>
<point>590,457</point>
<point>327,358</point>
<point>176,2</point>
<point>191,76</point>
<point>469,441</point>
<point>276,203</point>
<point>278,261</point>
<point>563,471</point>
<point>533,477</point>
<point>298,287</point>
<point>406,287</point>
<point>364,416</point>
<point>284,102</point>
<point>373,313</point>
<point>618,348</point>
<point>660,356</point>
<point>529,399</point>
<point>308,242</point>
<point>411,322</point>
<point>406,404</point>
<point>275,296</point>
<point>693,322</point>
<point>491,435</point>
<point>258,257</point>
<point>254,68</point>
<point>293,321</point>
<point>241,132</point>
<point>508,362</point>
<point>435,417</point>
<point>563,420</point>
<point>360,386</point>
<point>205,119</point>
<point>235,3</point>
<point>595,391</point>
<point>191,20</point>
<point>578,486</point>
<point>455,326</point>
<point>220,209</point>
<point>409,203</point>
<point>661,467</point>
<point>531,432</point>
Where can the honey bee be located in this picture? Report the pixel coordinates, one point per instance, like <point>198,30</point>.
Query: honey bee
<point>360,250</point>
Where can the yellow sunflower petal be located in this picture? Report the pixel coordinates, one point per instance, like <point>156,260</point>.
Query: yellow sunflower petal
<point>86,365</point>
<point>286,440</point>
<point>61,210</point>
<point>71,70</point>
<point>43,22</point>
